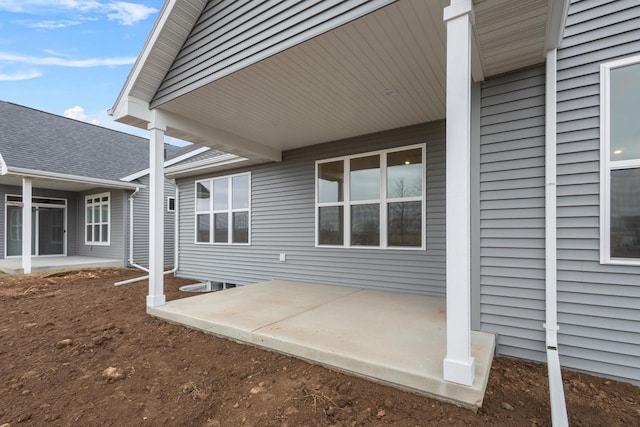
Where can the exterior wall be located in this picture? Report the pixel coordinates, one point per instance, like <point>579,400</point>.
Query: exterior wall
<point>512,270</point>
<point>72,214</point>
<point>117,239</point>
<point>599,305</point>
<point>231,35</point>
<point>141,225</point>
<point>283,221</point>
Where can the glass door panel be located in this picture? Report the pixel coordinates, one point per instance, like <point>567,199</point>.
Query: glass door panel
<point>50,231</point>
<point>14,231</point>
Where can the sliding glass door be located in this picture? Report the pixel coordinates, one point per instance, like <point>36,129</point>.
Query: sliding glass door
<point>48,218</point>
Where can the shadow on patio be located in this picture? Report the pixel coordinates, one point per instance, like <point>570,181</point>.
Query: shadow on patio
<point>392,338</point>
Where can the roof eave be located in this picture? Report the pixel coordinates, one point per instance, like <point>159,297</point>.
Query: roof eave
<point>556,21</point>
<point>99,182</point>
<point>214,164</point>
<point>168,163</point>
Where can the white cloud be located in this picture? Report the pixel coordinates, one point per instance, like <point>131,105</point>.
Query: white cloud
<point>66,62</point>
<point>19,76</point>
<point>51,24</point>
<point>125,13</point>
<point>76,113</point>
<point>129,13</point>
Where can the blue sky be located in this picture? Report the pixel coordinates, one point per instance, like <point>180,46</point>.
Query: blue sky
<point>71,57</point>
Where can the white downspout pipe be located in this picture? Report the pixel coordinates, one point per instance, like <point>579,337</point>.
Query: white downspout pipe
<point>175,243</point>
<point>556,389</point>
<point>131,216</point>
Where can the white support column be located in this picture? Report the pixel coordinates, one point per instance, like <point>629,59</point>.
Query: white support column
<point>157,129</point>
<point>458,363</point>
<point>27,193</point>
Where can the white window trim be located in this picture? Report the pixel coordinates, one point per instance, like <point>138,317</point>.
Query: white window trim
<point>607,165</point>
<point>169,198</point>
<point>383,201</point>
<point>230,211</point>
<point>108,223</point>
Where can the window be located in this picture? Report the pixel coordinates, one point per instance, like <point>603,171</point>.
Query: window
<point>372,200</point>
<point>620,162</point>
<point>223,209</point>
<point>97,217</point>
<point>171,204</point>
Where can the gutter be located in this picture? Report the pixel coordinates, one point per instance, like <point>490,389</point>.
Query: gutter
<point>179,171</point>
<point>167,163</point>
<point>175,242</point>
<point>556,389</point>
<point>99,182</point>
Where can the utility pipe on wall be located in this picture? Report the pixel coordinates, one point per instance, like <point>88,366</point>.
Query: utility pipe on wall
<point>556,389</point>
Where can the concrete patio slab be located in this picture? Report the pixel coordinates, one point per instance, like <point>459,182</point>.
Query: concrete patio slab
<point>393,338</point>
<point>50,263</point>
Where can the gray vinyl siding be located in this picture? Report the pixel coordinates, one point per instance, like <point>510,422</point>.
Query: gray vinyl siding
<point>599,305</point>
<point>141,225</point>
<point>512,270</point>
<point>229,36</point>
<point>72,214</point>
<point>283,221</point>
<point>116,248</point>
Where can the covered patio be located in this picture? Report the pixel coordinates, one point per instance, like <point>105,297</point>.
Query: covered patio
<point>336,74</point>
<point>392,338</point>
<point>51,263</point>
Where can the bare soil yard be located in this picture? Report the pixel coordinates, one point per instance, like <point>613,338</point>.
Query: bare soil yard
<point>61,332</point>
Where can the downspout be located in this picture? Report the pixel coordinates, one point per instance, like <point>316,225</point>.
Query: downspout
<point>131,262</point>
<point>556,389</point>
<point>175,243</point>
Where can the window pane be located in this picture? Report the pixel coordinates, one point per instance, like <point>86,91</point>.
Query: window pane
<point>241,227</point>
<point>105,199</point>
<point>89,216</point>
<point>365,225</point>
<point>240,192</point>
<point>405,224</point>
<point>365,178</point>
<point>105,213</point>
<point>203,194</point>
<point>220,194</point>
<point>172,204</point>
<point>202,228</point>
<point>625,105</point>
<point>330,224</point>
<point>221,228</point>
<point>404,173</point>
<point>96,233</point>
<point>625,213</point>
<point>105,233</point>
<point>96,214</point>
<point>89,233</point>
<point>331,182</point>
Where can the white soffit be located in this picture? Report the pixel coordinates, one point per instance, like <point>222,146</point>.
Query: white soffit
<point>333,86</point>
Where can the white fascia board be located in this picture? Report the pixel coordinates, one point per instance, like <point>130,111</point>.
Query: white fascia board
<point>3,166</point>
<point>168,163</point>
<point>30,173</point>
<point>131,107</point>
<point>205,165</point>
<point>556,20</point>
<point>142,59</point>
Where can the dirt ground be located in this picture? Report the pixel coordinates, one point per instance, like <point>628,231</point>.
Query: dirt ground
<point>77,351</point>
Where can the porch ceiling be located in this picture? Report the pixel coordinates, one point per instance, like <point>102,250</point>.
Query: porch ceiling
<point>382,71</point>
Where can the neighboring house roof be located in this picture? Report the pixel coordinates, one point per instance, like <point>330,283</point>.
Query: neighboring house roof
<point>37,140</point>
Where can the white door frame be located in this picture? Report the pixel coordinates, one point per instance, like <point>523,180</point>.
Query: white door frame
<point>63,205</point>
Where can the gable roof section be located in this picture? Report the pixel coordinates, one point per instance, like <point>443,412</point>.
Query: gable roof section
<point>35,140</point>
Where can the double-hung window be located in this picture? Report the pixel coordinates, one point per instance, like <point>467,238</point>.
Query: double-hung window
<point>97,217</point>
<point>620,161</point>
<point>372,200</point>
<point>223,209</point>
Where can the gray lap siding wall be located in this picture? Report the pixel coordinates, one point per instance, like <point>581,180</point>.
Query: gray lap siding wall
<point>283,221</point>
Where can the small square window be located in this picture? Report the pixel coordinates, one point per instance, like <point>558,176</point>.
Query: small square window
<point>171,204</point>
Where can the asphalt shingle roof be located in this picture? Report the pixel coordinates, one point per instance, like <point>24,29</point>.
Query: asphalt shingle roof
<point>37,140</point>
